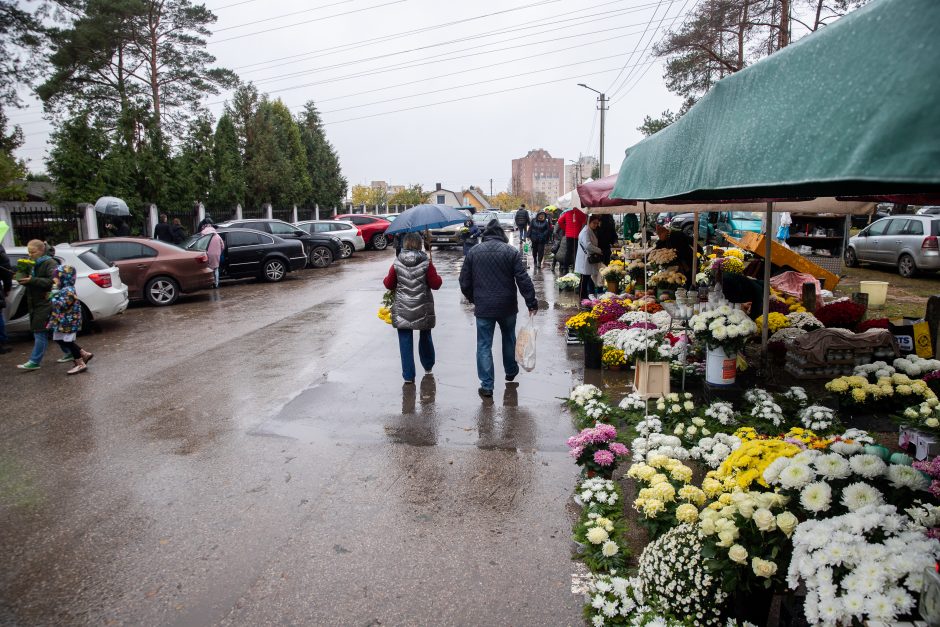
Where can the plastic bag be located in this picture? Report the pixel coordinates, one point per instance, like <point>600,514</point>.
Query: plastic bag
<point>525,346</point>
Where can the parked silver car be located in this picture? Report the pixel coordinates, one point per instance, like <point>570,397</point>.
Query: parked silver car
<point>910,243</point>
<point>348,232</point>
<point>98,286</point>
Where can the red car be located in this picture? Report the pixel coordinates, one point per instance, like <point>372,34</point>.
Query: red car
<point>153,270</point>
<point>372,228</point>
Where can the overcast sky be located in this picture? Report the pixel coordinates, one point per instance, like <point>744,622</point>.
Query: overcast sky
<point>439,91</point>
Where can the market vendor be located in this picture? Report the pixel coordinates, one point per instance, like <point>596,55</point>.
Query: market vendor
<point>738,288</point>
<point>679,242</point>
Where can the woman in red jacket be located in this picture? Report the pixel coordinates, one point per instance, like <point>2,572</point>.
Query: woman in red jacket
<point>572,221</point>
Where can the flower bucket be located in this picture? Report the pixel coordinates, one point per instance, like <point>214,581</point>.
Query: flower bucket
<point>720,368</point>
<point>593,355</point>
<point>613,286</point>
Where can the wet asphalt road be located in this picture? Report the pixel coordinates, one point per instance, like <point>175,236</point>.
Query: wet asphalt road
<point>250,456</point>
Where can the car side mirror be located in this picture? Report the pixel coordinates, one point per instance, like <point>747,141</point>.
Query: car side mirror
<point>300,233</point>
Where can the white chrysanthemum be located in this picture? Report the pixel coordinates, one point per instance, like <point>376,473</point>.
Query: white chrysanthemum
<point>796,476</point>
<point>907,477</point>
<point>610,548</point>
<point>859,495</point>
<point>832,466</point>
<point>868,466</point>
<point>816,497</point>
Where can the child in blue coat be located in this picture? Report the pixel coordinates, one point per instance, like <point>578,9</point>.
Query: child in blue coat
<point>66,318</point>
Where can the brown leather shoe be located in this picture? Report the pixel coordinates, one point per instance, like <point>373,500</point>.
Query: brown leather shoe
<point>79,367</point>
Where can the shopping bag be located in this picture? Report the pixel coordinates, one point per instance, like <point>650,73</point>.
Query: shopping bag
<point>525,346</point>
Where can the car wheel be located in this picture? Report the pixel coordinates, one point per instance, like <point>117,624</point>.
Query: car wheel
<point>689,230</point>
<point>321,257</point>
<point>88,321</point>
<point>379,241</point>
<point>851,259</point>
<point>906,266</point>
<point>161,291</point>
<point>274,270</point>
<point>347,250</point>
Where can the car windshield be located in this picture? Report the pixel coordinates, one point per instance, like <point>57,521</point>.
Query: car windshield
<point>746,215</point>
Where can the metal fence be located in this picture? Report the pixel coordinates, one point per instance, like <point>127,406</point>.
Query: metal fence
<point>39,220</point>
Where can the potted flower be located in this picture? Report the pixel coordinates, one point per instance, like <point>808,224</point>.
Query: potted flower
<point>613,358</point>
<point>568,283</point>
<point>597,451</point>
<point>584,325</point>
<point>666,282</point>
<point>613,274</point>
<point>723,332</point>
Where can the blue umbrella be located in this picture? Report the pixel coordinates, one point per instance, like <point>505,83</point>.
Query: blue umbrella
<point>425,217</point>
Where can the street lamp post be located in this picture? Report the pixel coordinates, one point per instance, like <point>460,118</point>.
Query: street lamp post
<point>603,101</point>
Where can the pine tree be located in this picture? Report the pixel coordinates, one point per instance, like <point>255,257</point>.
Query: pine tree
<point>228,174</point>
<point>328,184</point>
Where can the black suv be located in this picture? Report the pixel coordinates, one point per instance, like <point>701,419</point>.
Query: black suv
<point>321,249</point>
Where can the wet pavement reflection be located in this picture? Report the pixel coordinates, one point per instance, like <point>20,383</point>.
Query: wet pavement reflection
<point>251,455</point>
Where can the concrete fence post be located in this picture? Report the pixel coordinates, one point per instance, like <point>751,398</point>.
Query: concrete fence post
<point>200,212</point>
<point>153,219</point>
<point>238,211</point>
<point>89,221</point>
<point>316,212</point>
<point>294,219</point>
<point>267,211</point>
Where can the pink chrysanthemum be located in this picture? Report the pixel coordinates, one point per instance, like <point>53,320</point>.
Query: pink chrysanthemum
<point>618,449</point>
<point>603,458</point>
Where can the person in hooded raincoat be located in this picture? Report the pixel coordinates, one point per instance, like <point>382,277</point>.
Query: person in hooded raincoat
<point>65,320</point>
<point>214,250</point>
<point>38,282</point>
<point>540,231</point>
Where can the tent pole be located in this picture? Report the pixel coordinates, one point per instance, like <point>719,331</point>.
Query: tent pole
<point>694,247</point>
<point>768,251</point>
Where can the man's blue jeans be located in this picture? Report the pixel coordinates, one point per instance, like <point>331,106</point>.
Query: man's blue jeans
<point>406,345</point>
<point>523,231</point>
<point>485,329</point>
<point>3,326</point>
<point>40,342</point>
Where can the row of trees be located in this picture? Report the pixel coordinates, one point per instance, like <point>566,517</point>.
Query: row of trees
<point>126,82</point>
<point>721,37</point>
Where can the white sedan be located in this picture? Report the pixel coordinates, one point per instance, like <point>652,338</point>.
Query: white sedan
<point>97,283</point>
<point>347,232</point>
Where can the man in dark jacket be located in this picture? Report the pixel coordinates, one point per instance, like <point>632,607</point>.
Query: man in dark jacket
<point>491,273</point>
<point>162,231</point>
<point>6,284</point>
<point>522,221</point>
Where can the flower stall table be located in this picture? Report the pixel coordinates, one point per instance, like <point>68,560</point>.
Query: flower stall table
<point>827,353</point>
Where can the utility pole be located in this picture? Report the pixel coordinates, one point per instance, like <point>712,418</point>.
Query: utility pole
<point>491,188</point>
<point>603,100</point>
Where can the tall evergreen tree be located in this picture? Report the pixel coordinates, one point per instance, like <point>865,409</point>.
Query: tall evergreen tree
<point>228,174</point>
<point>328,186</point>
<point>275,161</point>
<point>195,162</point>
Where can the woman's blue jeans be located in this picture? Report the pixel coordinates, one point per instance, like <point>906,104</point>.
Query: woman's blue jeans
<point>406,345</point>
<point>40,342</point>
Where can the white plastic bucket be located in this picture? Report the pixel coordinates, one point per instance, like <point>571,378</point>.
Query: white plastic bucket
<point>877,292</point>
<point>720,369</point>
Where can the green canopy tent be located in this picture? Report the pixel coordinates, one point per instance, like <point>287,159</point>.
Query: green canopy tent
<point>852,110</point>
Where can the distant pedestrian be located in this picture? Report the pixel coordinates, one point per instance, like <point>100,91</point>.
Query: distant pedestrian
<point>522,221</point>
<point>6,284</point>
<point>37,280</point>
<point>470,234</point>
<point>588,259</point>
<point>412,277</point>
<point>65,320</point>
<point>573,222</point>
<point>214,250</point>
<point>163,231</point>
<point>489,278</point>
<point>540,232</point>
<point>177,233</point>
<point>558,246</point>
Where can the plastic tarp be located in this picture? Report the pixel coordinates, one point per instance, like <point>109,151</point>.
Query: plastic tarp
<point>853,109</point>
<point>791,283</point>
